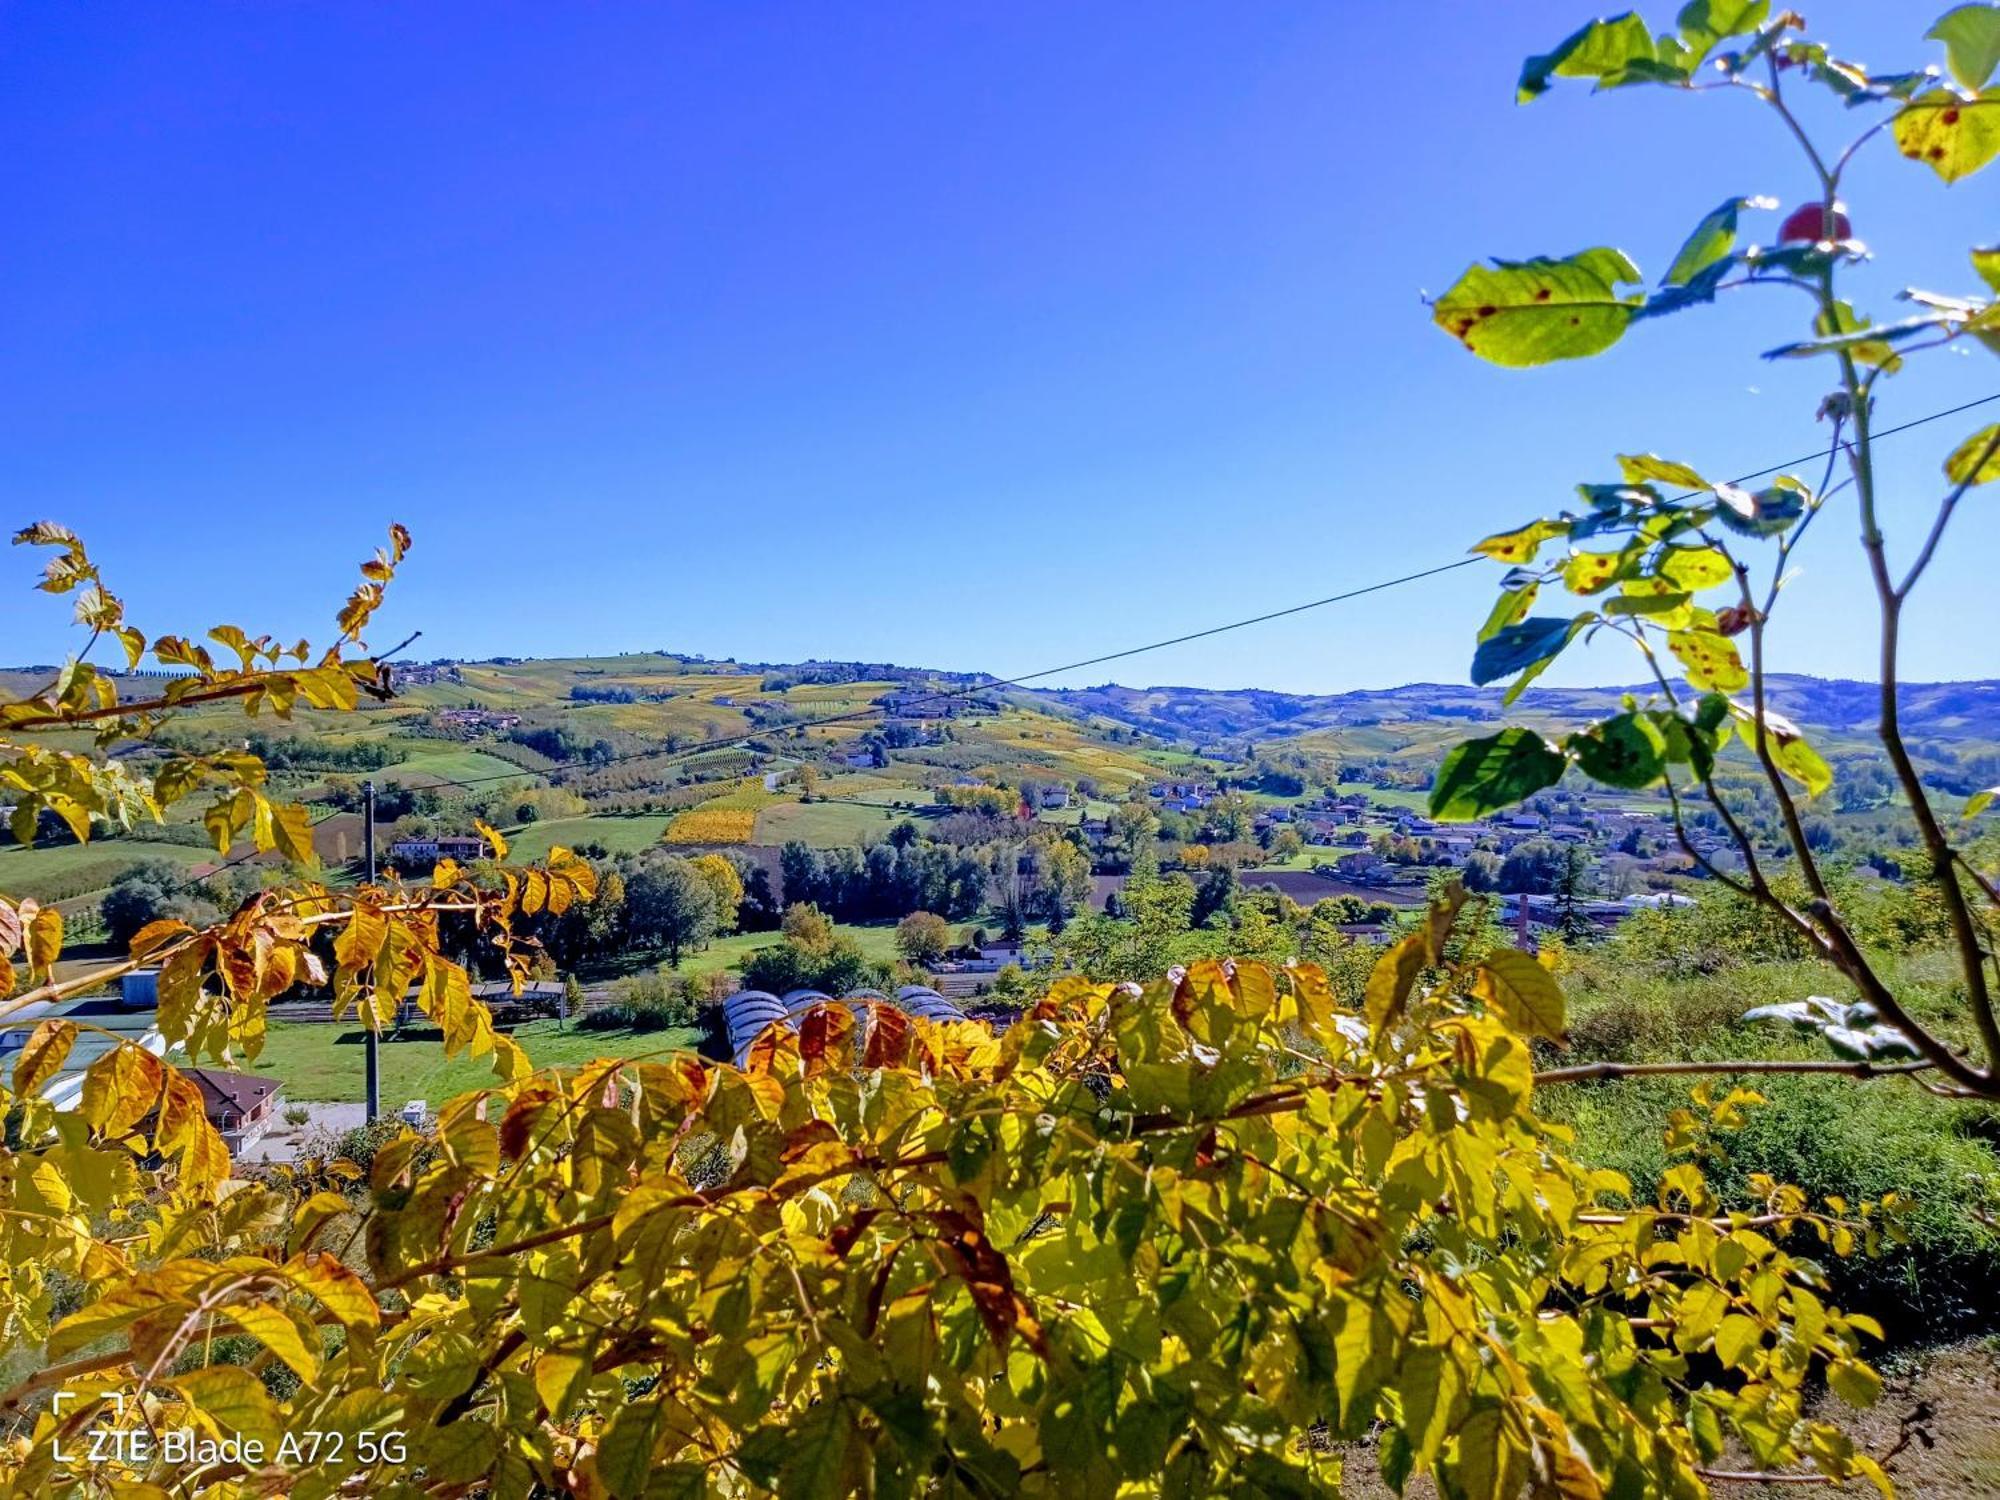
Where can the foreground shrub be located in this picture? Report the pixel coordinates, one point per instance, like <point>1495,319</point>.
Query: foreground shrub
<point>1190,1236</point>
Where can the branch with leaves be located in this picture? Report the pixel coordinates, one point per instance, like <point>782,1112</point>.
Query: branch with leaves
<point>1644,552</point>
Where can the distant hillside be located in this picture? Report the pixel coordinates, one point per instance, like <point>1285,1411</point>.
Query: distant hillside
<point>1935,710</point>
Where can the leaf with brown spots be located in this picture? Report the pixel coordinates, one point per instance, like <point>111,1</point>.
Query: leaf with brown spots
<point>1952,135</point>
<point>1532,312</point>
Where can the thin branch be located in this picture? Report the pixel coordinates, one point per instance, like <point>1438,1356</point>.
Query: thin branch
<point>1965,934</point>
<point>1754,1476</point>
<point>1944,515</point>
<point>381,656</point>
<point>1840,164</point>
<point>1787,807</point>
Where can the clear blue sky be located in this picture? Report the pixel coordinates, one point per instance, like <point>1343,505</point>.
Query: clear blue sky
<point>968,335</point>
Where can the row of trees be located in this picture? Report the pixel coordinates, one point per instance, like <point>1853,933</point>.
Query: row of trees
<point>887,880</point>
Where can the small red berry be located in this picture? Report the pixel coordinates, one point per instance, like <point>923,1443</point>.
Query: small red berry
<point>1807,224</point>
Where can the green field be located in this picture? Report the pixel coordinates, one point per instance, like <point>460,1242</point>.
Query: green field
<point>57,867</point>
<point>1403,799</point>
<point>326,1061</point>
<point>619,835</point>
<point>826,825</point>
<point>445,763</point>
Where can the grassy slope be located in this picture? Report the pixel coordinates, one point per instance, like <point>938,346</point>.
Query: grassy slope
<point>620,835</point>
<point>326,1061</point>
<point>34,872</point>
<point>824,825</point>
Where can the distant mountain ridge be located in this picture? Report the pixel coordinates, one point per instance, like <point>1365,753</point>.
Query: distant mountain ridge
<point>1940,710</point>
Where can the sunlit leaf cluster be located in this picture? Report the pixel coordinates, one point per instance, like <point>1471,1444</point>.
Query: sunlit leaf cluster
<point>1200,1235</point>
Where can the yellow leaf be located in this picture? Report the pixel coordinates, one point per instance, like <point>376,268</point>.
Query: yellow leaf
<point>313,1214</point>
<point>44,941</point>
<point>557,1374</point>
<point>291,834</point>
<point>361,939</point>
<point>233,1399</point>
<point>1953,135</point>
<point>1739,1337</point>
<point>1520,992</point>
<point>1977,459</point>
<point>48,1045</point>
<point>274,1328</point>
<point>1710,659</point>
<point>121,1088</point>
<point>1390,983</point>
<point>337,1289</point>
<point>492,836</point>
<point>156,935</point>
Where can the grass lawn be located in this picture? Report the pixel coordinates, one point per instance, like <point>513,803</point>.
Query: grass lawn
<point>877,943</point>
<point>431,767</point>
<point>619,835</point>
<point>321,1061</point>
<point>1406,799</point>
<point>825,825</point>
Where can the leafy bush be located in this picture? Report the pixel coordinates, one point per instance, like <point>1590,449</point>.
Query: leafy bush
<point>1829,1135</point>
<point>659,1001</point>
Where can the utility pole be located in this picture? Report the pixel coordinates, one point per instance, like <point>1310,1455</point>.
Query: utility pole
<point>374,1038</point>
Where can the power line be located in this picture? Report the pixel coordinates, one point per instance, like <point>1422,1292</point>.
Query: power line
<point>940,695</point>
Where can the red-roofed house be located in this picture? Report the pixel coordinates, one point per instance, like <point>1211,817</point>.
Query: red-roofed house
<point>241,1106</point>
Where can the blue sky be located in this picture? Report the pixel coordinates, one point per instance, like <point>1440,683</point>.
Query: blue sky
<point>968,335</point>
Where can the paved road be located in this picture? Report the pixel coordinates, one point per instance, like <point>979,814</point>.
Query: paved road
<point>281,1141</point>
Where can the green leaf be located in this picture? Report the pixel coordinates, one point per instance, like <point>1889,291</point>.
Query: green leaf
<point>1854,1382</point>
<point>1692,568</point>
<point>1978,802</point>
<point>1521,313</point>
<point>1485,775</point>
<point>1508,609</point>
<point>1952,135</point>
<point>1703,23</point>
<point>1639,468</point>
<point>1521,992</point>
<point>1711,242</point>
<point>1521,546</point>
<point>1977,459</point>
<point>1620,50</point>
<point>1488,1458</point>
<point>1513,648</point>
<point>1986,261</point>
<point>1971,37</point>
<point>1709,659</point>
<point>1739,1337</point>
<point>1626,751</point>
<point>625,1451</point>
